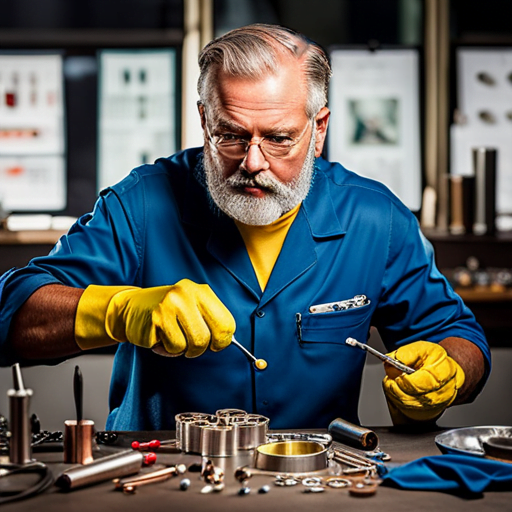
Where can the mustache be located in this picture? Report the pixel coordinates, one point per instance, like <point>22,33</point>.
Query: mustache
<point>238,180</point>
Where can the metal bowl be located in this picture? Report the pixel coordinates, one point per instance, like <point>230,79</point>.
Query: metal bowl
<point>469,440</point>
<point>291,456</point>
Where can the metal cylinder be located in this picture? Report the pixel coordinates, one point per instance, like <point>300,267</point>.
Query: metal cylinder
<point>484,164</point>
<point>462,204</point>
<point>219,441</point>
<point>353,435</point>
<point>221,435</point>
<point>291,457</point>
<point>113,466</point>
<point>19,419</point>
<point>78,441</point>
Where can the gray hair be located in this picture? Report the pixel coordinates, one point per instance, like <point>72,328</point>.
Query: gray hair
<point>254,51</point>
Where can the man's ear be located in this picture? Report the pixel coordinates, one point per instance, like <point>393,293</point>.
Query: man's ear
<point>321,123</point>
<point>200,108</point>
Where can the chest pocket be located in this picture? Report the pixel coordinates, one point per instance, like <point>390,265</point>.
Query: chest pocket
<point>335,327</point>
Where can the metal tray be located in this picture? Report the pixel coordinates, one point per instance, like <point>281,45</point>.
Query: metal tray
<point>469,440</point>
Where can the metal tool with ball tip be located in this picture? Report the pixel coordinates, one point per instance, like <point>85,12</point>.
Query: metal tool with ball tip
<point>383,357</point>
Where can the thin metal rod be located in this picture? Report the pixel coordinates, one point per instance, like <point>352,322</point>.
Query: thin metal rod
<point>17,378</point>
<point>383,357</point>
<point>243,349</point>
<point>259,364</point>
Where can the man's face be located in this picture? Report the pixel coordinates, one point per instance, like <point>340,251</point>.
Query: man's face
<point>257,188</point>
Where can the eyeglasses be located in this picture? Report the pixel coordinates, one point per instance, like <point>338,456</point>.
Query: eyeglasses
<point>236,147</point>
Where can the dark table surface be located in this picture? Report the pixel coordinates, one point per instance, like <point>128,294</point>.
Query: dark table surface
<point>166,496</point>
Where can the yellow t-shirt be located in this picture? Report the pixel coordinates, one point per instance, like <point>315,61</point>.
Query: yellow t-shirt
<point>264,243</point>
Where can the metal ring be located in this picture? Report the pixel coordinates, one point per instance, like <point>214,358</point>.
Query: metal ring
<point>337,483</point>
<point>312,481</point>
<point>291,456</point>
<point>324,439</point>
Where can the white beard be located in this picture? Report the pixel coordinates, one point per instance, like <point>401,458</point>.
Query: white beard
<point>279,197</point>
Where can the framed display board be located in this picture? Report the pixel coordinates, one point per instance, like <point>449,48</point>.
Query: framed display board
<point>375,117</point>
<point>32,135</point>
<point>137,110</point>
<point>484,100</point>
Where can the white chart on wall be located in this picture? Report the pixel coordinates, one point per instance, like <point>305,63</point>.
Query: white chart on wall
<point>32,141</point>
<point>375,123</point>
<point>137,111</point>
<point>484,91</point>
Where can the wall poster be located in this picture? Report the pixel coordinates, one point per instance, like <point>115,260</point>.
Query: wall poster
<point>32,140</point>
<point>375,118</point>
<point>137,110</point>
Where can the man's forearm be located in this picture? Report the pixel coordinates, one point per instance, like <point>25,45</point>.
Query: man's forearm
<point>471,360</point>
<point>43,328</point>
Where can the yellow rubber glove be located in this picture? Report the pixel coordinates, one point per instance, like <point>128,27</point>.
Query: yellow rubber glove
<point>426,393</point>
<point>186,318</point>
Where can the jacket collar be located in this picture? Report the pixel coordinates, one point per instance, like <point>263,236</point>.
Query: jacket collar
<point>316,221</point>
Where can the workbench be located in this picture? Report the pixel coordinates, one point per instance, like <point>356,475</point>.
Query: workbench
<point>165,496</point>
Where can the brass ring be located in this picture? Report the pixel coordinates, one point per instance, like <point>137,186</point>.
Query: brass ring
<point>291,456</point>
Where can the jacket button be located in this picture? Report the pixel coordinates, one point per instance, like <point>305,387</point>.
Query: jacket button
<point>260,313</point>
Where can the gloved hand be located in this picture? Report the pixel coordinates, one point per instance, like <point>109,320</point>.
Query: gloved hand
<point>426,393</point>
<point>186,318</point>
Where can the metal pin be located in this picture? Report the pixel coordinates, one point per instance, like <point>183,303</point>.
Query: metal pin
<point>130,484</point>
<point>259,364</point>
<point>383,357</point>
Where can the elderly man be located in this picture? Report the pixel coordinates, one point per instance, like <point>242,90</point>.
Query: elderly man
<point>254,235</point>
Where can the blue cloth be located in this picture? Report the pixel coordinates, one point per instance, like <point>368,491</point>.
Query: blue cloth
<point>351,236</point>
<point>459,474</point>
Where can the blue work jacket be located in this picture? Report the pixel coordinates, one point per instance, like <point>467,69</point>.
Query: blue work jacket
<point>351,237</point>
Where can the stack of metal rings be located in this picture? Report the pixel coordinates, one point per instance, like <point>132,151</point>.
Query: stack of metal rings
<point>222,434</point>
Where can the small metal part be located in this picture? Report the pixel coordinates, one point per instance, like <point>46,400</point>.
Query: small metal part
<point>311,481</point>
<point>106,437</point>
<point>159,475</point>
<point>314,490</point>
<point>383,357</point>
<point>207,489</point>
<point>285,480</point>
<point>211,474</point>
<point>184,484</point>
<point>337,483</point>
<point>243,491</point>
<point>242,474</point>
<point>264,489</point>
